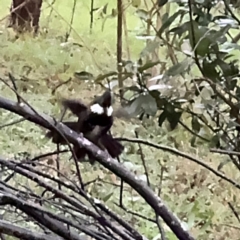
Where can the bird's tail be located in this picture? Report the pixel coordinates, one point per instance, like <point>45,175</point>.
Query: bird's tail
<point>114,147</point>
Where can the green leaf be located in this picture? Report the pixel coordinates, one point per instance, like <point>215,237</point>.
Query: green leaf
<point>83,75</point>
<point>209,70</point>
<point>228,46</point>
<point>169,107</point>
<point>169,21</point>
<point>103,76</point>
<point>218,35</point>
<point>159,100</point>
<point>198,108</point>
<point>150,48</point>
<point>191,220</point>
<point>107,197</point>
<point>196,126</point>
<point>135,108</point>
<point>149,105</point>
<point>193,140</point>
<point>203,47</point>
<point>173,118</point>
<point>165,17</point>
<point>162,117</point>
<point>132,88</point>
<point>223,163</point>
<point>180,29</point>
<point>101,10</point>
<point>179,68</point>
<point>147,65</point>
<point>143,14</point>
<point>105,8</point>
<point>199,40</point>
<point>223,22</point>
<point>110,16</point>
<point>162,2</point>
<point>136,3</point>
<point>144,103</point>
<point>226,68</point>
<point>214,142</point>
<point>206,93</point>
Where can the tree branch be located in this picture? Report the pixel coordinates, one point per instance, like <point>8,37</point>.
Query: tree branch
<point>23,233</point>
<point>103,158</point>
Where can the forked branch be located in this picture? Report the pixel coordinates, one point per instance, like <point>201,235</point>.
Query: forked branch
<point>104,159</point>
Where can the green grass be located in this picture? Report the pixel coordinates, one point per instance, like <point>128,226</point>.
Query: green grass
<point>193,194</point>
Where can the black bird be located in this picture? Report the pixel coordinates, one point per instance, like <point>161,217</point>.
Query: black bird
<point>94,121</point>
<point>98,113</point>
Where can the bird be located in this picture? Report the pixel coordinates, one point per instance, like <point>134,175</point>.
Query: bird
<point>94,122</point>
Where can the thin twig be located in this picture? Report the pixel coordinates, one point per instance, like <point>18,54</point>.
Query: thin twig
<point>12,123</point>
<point>119,46</point>
<point>192,132</point>
<point>194,37</point>
<point>181,154</point>
<point>160,178</point>
<point>61,84</point>
<point>234,211</point>
<point>161,230</point>
<point>227,152</point>
<point>13,80</point>
<point>143,160</point>
<point>91,16</point>
<point>10,176</point>
<point>136,214</point>
<point>71,21</point>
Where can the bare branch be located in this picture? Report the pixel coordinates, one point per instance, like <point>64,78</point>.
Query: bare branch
<point>103,158</point>
<point>23,233</point>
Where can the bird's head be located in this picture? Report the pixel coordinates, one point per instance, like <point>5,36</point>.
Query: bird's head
<point>103,105</point>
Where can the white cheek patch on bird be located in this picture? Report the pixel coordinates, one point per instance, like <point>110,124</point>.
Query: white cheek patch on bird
<point>109,111</point>
<point>96,108</point>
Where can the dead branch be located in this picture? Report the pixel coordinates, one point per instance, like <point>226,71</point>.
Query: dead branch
<point>102,157</point>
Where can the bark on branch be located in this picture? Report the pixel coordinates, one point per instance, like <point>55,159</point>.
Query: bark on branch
<point>103,158</point>
<point>15,231</point>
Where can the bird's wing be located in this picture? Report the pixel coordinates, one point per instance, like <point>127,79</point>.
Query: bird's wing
<point>75,106</point>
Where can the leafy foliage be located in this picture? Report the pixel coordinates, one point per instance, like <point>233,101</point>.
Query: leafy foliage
<point>201,45</point>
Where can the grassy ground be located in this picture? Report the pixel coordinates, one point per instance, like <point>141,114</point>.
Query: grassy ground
<point>195,195</point>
